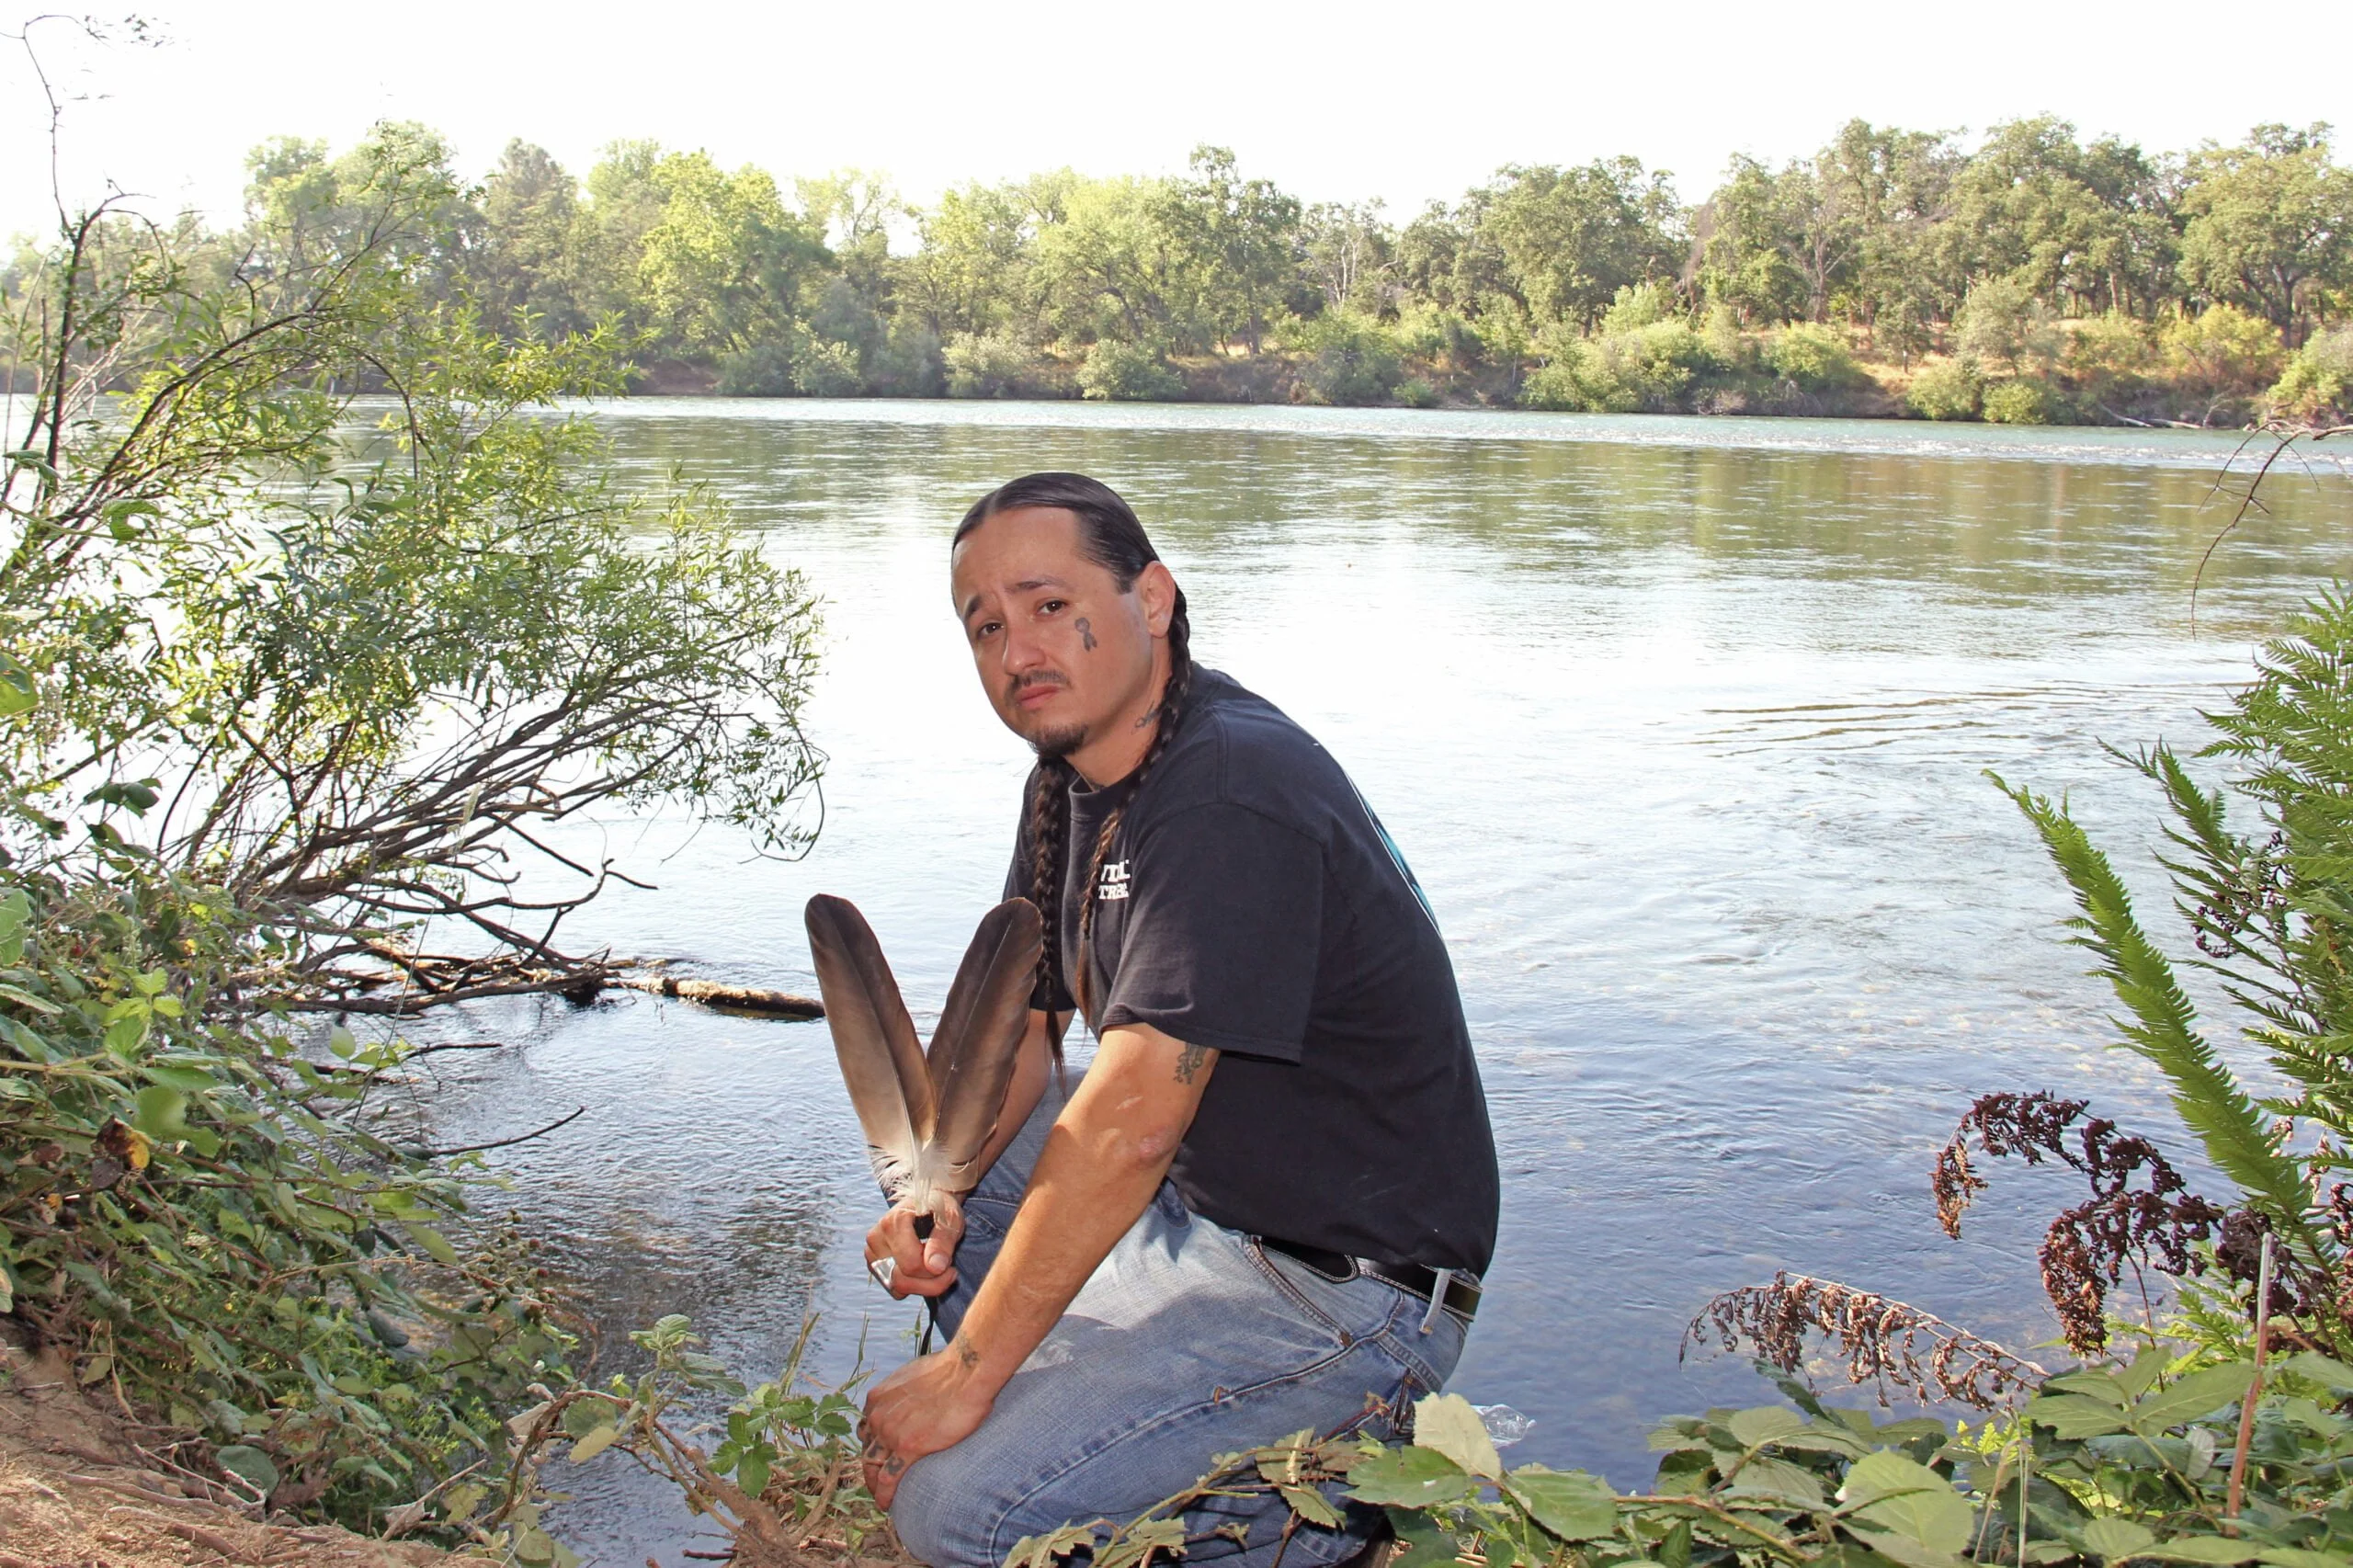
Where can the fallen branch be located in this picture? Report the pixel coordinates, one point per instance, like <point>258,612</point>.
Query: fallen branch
<point>500,1143</point>
<point>712,994</point>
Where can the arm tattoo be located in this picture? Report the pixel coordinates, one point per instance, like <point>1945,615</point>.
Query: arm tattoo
<point>1188,1061</point>
<point>1085,635</point>
<point>970,1357</point>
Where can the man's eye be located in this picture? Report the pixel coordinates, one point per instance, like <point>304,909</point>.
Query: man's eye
<point>984,629</point>
<point>1051,606</point>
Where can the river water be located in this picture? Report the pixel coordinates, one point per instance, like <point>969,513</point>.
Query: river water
<point>1682,724</point>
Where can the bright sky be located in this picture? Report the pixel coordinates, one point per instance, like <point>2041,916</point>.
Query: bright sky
<point>1334,102</point>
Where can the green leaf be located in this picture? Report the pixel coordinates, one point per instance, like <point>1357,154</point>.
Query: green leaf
<point>597,1441</point>
<point>1409,1478</point>
<point>2298,1557</point>
<point>2202,1548</point>
<point>23,998</point>
<point>2074,1415</point>
<point>2325,1370</point>
<point>1893,1494</point>
<point>18,692</point>
<point>249,1465</point>
<point>16,914</point>
<point>1897,1547</point>
<point>751,1471</point>
<point>2092,1382</point>
<point>161,1114</point>
<point>436,1244</point>
<point>1310,1505</point>
<point>2199,1394</point>
<point>2115,1539</point>
<point>1569,1504</point>
<point>1422,1540</point>
<point>187,1080</point>
<point>1760,1426</point>
<point>1766,1476</point>
<point>1045,1551</point>
<point>1446,1423</point>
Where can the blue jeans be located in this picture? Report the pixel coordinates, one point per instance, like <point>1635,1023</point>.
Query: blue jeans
<point>1189,1341</point>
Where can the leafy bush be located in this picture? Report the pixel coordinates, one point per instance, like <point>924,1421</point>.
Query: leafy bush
<point>1414,392</point>
<point>198,1212</point>
<point>1816,357</point>
<point>1950,388</point>
<point>1649,366</point>
<point>2223,350</point>
<point>827,369</point>
<point>786,1475</point>
<point>1438,336</point>
<point>2318,384</point>
<point>765,369</point>
<point>986,364</point>
<point>2003,321</point>
<point>2109,355</point>
<point>1128,372</point>
<point>1350,361</point>
<point>909,362</point>
<point>2019,403</point>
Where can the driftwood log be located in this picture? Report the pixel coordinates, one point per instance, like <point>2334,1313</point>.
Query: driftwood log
<point>712,994</point>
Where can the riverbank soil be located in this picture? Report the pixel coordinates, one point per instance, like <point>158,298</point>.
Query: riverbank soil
<point>76,1492</point>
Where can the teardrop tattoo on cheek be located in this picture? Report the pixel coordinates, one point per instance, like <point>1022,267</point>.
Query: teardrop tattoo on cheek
<point>1085,635</point>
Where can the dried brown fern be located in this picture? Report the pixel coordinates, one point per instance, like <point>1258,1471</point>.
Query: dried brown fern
<point>1891,1344</point>
<point>2140,1212</point>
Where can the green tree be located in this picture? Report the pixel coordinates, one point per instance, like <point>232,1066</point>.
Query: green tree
<point>723,264</point>
<point>2271,225</point>
<point>974,268</point>
<point>1113,267</point>
<point>1243,234</point>
<point>2084,230</point>
<point>526,273</point>
<point>1569,239</point>
<point>1349,253</point>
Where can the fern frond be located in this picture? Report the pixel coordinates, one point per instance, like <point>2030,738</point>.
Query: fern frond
<point>2160,1025</point>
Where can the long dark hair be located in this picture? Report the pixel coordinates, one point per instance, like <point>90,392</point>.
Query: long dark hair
<point>1109,536</point>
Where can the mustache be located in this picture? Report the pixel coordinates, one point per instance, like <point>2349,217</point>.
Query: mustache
<point>1035,678</point>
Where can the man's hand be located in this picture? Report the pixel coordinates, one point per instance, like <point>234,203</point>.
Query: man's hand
<point>919,1267</point>
<point>925,1406</point>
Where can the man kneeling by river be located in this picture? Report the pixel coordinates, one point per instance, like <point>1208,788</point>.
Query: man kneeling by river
<point>1266,1205</point>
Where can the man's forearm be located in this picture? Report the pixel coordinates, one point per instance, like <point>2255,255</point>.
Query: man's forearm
<point>1101,1164</point>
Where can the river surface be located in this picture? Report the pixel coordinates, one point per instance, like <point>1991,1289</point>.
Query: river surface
<point>1682,724</point>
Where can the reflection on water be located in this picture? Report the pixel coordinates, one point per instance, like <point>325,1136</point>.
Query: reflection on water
<point>1682,724</point>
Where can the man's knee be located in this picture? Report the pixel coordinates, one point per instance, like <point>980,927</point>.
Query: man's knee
<point>943,1517</point>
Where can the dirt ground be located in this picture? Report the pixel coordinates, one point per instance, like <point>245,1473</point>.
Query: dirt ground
<point>76,1492</point>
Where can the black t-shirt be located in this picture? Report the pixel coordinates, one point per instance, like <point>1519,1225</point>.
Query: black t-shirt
<point>1252,902</point>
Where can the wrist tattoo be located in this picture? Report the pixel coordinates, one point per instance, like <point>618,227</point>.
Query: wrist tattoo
<point>1188,1061</point>
<point>970,1357</point>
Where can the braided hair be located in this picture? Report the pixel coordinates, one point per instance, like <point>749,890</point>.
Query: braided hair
<point>1110,536</point>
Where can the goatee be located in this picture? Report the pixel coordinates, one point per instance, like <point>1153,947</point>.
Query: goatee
<point>1053,746</point>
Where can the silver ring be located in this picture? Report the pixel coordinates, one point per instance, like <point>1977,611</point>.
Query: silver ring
<point>883,1270</point>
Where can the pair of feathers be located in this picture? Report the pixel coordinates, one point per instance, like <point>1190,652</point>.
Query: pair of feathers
<point>927,1115</point>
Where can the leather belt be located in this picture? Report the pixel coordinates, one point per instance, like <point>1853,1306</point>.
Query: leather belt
<point>1463,1288</point>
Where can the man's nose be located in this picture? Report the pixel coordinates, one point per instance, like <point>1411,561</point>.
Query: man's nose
<point>1023,652</point>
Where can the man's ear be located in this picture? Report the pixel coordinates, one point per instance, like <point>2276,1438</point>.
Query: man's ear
<point>1156,592</point>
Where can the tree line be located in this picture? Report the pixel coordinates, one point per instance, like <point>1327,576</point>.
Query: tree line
<point>2035,275</point>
